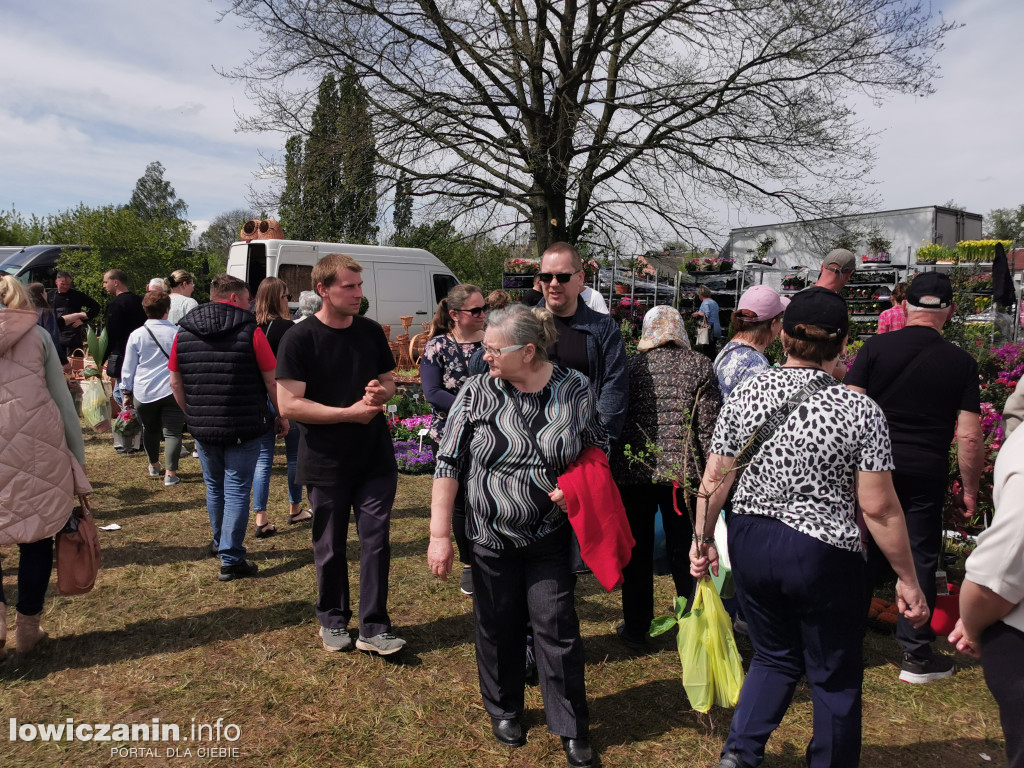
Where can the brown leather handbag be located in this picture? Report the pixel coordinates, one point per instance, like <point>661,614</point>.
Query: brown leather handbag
<point>78,552</point>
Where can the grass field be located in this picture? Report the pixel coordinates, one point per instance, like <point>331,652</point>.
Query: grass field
<point>160,637</point>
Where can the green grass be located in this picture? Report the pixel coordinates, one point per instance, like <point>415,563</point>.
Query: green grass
<point>161,637</point>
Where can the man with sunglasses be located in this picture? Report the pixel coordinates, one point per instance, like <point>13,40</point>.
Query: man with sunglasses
<point>588,341</point>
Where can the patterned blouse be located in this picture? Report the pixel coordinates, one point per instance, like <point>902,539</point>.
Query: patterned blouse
<point>667,386</point>
<point>507,483</point>
<point>804,474</point>
<point>736,363</point>
<point>444,368</point>
<point>892,320</point>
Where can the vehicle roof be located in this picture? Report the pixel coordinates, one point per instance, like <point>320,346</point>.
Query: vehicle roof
<point>352,249</point>
<point>32,254</point>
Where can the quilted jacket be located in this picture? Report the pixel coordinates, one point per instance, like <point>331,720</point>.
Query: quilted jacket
<point>37,470</point>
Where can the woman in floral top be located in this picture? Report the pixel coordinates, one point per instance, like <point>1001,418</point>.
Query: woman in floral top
<point>458,331</point>
<point>756,323</point>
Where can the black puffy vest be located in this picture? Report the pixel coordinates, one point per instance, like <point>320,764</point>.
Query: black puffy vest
<point>225,398</point>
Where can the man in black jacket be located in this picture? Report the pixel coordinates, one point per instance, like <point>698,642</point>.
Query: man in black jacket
<point>124,315</point>
<point>65,300</point>
<point>222,371</point>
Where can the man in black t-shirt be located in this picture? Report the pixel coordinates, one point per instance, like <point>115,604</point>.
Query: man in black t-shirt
<point>334,372</point>
<point>926,387</point>
<point>124,315</point>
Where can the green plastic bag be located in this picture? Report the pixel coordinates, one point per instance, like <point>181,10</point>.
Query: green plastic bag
<point>712,668</point>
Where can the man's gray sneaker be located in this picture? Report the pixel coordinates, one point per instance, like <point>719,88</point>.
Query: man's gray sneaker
<point>383,644</point>
<point>335,639</point>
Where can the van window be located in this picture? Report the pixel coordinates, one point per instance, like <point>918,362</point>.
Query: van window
<point>256,266</point>
<point>442,284</point>
<point>297,277</point>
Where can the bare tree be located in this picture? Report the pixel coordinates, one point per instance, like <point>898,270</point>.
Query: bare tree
<point>634,115</point>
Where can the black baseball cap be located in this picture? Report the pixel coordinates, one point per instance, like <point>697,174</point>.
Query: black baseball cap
<point>819,307</point>
<point>930,290</point>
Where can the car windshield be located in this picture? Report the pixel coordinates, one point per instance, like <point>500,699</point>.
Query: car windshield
<point>11,267</point>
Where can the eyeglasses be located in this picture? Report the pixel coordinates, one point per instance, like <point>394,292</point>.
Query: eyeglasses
<point>475,311</point>
<point>503,351</point>
<point>562,277</point>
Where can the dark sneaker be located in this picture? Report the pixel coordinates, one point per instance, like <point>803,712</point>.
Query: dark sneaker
<point>732,760</point>
<point>383,644</point>
<point>238,570</point>
<point>335,639</point>
<point>466,581</point>
<point>915,670</point>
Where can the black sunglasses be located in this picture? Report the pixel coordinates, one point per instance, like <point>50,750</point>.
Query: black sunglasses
<point>288,297</point>
<point>563,277</point>
<point>475,311</point>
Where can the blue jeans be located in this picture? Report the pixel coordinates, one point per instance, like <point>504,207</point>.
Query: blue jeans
<point>228,472</point>
<point>265,464</point>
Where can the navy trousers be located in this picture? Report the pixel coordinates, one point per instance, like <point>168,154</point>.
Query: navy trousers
<point>511,586</point>
<point>803,601</point>
<point>372,500</point>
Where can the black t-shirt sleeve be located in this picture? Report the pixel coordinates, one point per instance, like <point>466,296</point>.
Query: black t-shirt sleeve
<point>857,376</point>
<point>971,400</point>
<point>291,363</point>
<point>385,360</point>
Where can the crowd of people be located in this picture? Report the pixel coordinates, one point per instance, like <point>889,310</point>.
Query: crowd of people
<point>823,476</point>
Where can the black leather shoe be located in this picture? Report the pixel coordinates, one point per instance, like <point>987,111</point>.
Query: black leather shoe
<point>508,732</point>
<point>578,752</point>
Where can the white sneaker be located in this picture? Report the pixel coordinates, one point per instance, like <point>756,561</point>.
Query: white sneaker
<point>171,480</point>
<point>155,471</point>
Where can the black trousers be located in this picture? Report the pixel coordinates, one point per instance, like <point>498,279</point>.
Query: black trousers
<point>642,502</point>
<point>462,542</point>
<point>371,498</point>
<point>162,417</point>
<point>921,498</point>
<point>35,562</point>
<point>1002,649</point>
<point>534,583</point>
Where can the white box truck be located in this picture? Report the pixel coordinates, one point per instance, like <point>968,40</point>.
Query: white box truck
<point>396,281</point>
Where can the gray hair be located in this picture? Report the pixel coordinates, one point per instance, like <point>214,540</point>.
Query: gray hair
<point>157,284</point>
<point>309,303</point>
<point>522,325</point>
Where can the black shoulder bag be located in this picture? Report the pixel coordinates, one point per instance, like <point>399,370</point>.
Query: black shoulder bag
<point>158,345</point>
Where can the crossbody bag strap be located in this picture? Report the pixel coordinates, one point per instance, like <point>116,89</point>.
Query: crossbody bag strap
<point>769,427</point>
<point>533,439</point>
<point>158,345</point>
<point>908,371</point>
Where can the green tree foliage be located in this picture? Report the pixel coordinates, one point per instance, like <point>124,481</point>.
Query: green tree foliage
<point>122,239</point>
<point>1005,224</point>
<point>291,215</point>
<point>15,229</point>
<point>358,154</point>
<point>224,230</point>
<point>477,260</point>
<point>330,190</point>
<point>154,198</point>
<point>402,214</point>
<point>631,116</point>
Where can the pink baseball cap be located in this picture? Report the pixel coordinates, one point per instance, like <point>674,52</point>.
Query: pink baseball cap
<point>764,302</point>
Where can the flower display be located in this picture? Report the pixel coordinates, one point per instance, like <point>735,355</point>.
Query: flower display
<point>409,428</point>
<point>521,266</point>
<point>875,258</point>
<point>413,460</point>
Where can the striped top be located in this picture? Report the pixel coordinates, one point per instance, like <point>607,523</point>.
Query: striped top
<point>507,483</point>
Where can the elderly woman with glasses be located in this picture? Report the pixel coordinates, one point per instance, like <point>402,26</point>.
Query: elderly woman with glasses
<point>517,521</point>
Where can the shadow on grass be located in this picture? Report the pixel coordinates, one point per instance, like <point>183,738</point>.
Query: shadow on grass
<point>954,753</point>
<point>153,637</point>
<point>641,713</point>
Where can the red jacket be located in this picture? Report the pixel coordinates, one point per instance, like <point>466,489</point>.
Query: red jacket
<point>597,516</point>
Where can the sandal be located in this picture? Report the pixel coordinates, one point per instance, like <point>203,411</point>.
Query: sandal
<point>265,531</point>
<point>303,516</point>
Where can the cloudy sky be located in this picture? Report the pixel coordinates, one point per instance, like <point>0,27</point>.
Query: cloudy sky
<point>94,91</point>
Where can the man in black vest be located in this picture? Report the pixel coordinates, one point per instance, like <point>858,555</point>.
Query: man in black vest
<point>222,370</point>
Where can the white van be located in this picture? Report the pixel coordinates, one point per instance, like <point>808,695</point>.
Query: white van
<point>396,281</point>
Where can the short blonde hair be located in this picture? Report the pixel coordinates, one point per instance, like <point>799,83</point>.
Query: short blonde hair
<point>13,294</point>
<point>325,271</point>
